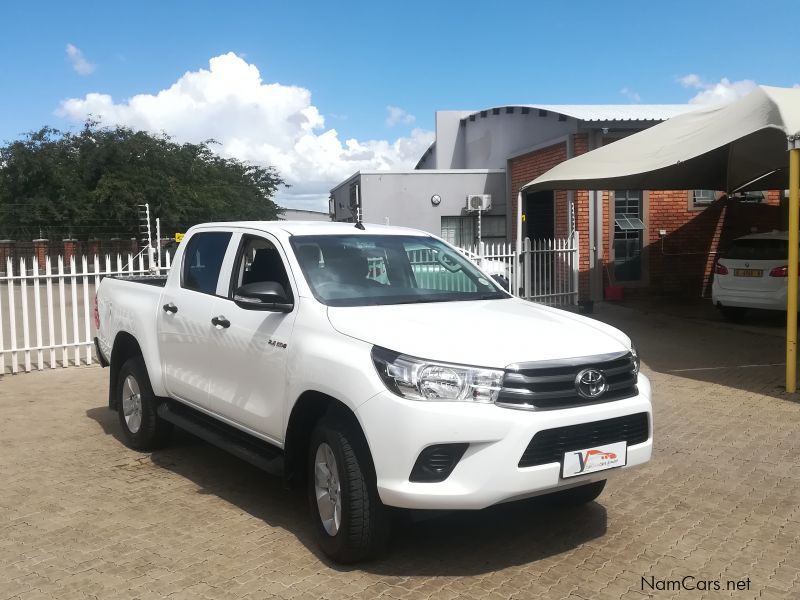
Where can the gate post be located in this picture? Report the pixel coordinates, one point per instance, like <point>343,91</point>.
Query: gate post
<point>41,249</point>
<point>526,269</point>
<point>576,266</point>
<point>6,253</point>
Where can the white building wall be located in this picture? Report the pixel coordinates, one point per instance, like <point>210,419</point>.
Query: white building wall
<point>404,198</point>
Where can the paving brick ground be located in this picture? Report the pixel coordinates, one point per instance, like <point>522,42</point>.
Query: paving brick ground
<point>82,516</point>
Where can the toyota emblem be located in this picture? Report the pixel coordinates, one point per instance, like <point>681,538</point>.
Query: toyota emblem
<point>590,384</point>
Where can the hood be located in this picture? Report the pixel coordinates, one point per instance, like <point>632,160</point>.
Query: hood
<point>486,333</point>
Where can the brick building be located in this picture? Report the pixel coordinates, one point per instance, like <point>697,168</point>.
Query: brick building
<point>654,241</point>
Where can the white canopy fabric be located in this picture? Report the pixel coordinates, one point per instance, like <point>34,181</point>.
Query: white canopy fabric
<point>738,146</point>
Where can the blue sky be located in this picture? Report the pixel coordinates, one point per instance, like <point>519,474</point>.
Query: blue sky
<point>339,66</point>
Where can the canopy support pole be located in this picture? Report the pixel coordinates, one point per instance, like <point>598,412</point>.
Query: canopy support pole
<point>519,270</point>
<point>794,239</point>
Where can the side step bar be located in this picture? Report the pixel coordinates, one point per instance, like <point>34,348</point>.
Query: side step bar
<point>257,452</point>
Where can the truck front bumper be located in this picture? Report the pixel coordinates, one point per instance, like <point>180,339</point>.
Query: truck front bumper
<point>398,430</point>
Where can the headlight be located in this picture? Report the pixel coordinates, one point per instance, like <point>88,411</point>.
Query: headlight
<point>419,379</point>
<point>636,361</point>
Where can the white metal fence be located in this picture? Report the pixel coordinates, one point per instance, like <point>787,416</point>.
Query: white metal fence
<point>550,270</point>
<point>46,315</point>
<point>498,260</point>
<point>47,321</point>
<point>546,271</point>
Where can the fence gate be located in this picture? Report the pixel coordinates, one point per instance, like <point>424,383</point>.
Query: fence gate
<point>546,271</point>
<point>550,270</point>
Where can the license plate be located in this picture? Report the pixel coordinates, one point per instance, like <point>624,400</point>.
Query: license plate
<point>597,458</point>
<point>748,272</point>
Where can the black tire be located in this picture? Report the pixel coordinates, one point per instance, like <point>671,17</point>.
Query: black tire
<point>734,314</point>
<point>577,496</point>
<point>365,522</point>
<point>152,431</point>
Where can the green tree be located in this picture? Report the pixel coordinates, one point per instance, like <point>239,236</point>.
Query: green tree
<point>89,183</point>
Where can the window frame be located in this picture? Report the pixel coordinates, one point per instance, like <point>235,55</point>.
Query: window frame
<point>188,241</point>
<point>244,238</point>
<point>644,273</point>
<point>469,223</point>
<point>694,206</point>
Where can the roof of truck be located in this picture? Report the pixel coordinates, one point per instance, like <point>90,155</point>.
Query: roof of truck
<point>314,228</point>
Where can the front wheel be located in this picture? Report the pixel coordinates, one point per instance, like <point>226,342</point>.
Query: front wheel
<point>350,521</point>
<point>136,405</point>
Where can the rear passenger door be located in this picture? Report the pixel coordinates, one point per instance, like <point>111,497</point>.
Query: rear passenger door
<point>248,372</point>
<point>184,317</point>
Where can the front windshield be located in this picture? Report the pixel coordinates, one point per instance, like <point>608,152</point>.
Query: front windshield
<point>362,270</point>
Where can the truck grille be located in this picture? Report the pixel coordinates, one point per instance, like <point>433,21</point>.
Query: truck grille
<point>549,445</point>
<point>551,384</point>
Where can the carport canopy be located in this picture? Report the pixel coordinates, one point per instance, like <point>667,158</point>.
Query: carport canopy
<point>735,147</point>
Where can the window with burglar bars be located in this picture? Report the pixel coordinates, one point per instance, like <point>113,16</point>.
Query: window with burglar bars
<point>702,198</point>
<point>463,231</point>
<point>628,234</point>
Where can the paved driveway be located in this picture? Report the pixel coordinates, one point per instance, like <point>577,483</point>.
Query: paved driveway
<point>82,516</point>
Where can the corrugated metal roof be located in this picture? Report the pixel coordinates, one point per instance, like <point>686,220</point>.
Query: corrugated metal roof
<point>604,112</point>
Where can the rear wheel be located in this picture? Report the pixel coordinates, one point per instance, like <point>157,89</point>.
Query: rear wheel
<point>350,521</point>
<point>136,406</point>
<point>578,496</point>
<point>733,313</point>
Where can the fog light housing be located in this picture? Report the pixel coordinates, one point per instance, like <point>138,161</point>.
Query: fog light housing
<point>435,463</point>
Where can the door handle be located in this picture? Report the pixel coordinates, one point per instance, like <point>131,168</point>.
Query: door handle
<point>220,321</point>
<point>170,308</point>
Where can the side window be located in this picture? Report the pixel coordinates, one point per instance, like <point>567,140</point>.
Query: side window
<point>202,261</point>
<point>258,261</point>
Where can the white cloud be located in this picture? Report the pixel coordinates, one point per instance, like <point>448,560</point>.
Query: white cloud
<point>395,115</point>
<point>256,121</point>
<point>720,92</point>
<point>78,61</point>
<point>632,95</point>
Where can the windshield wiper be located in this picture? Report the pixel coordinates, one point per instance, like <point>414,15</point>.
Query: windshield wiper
<point>427,299</point>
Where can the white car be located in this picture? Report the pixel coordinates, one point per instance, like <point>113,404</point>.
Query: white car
<point>752,273</point>
<point>381,366</point>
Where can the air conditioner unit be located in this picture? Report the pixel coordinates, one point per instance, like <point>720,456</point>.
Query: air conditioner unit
<point>479,202</point>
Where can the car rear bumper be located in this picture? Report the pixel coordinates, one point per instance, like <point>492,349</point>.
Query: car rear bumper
<point>488,473</point>
<point>765,299</point>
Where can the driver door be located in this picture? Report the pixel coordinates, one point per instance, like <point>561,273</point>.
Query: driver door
<point>248,372</point>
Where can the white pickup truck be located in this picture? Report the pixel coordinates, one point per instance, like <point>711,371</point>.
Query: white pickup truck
<point>378,365</point>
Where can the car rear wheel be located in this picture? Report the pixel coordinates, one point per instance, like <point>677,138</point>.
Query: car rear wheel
<point>350,521</point>
<point>136,407</point>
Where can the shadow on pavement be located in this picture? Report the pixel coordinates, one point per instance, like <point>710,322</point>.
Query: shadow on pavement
<point>694,342</point>
<point>447,543</point>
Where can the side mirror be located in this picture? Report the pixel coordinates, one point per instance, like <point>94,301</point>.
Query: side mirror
<point>263,295</point>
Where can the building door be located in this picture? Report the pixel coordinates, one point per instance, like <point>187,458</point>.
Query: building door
<point>540,226</point>
<point>540,216</point>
